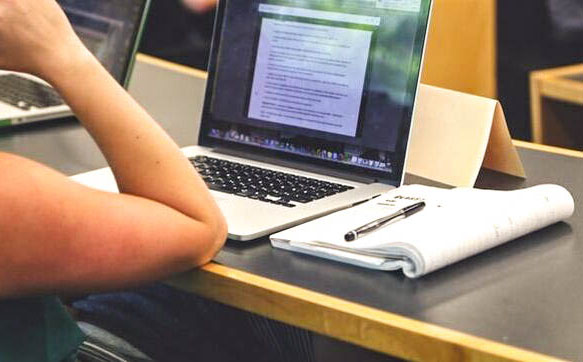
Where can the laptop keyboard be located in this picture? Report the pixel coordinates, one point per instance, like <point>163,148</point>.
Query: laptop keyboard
<point>263,184</point>
<point>25,93</point>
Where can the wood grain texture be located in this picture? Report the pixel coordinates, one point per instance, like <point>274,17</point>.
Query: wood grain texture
<point>553,84</point>
<point>368,327</point>
<point>550,149</point>
<point>535,110</point>
<point>461,47</point>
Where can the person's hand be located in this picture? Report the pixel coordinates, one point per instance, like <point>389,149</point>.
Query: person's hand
<point>199,6</point>
<point>36,37</point>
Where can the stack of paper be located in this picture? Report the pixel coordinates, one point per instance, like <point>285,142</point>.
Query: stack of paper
<point>455,224</point>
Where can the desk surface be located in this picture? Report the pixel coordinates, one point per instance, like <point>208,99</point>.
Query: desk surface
<point>525,295</point>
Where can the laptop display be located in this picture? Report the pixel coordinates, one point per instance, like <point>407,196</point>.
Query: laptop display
<point>328,82</point>
<point>307,109</point>
<point>109,28</point>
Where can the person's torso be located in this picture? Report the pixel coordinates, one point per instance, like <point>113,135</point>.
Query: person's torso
<point>37,329</point>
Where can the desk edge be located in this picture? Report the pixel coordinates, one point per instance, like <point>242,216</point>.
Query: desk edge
<point>368,327</point>
<point>549,149</point>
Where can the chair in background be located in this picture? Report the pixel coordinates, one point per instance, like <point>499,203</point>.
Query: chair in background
<point>557,106</point>
<point>533,35</point>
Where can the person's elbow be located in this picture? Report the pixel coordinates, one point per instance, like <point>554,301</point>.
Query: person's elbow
<point>215,237</point>
<point>220,231</point>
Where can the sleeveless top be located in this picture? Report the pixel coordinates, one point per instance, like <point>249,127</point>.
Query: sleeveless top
<point>37,329</point>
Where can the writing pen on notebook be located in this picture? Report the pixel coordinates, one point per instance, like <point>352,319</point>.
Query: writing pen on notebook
<point>373,225</point>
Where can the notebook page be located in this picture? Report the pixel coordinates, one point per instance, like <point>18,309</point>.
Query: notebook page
<point>390,243</point>
<point>455,224</point>
<point>478,220</point>
<point>462,222</point>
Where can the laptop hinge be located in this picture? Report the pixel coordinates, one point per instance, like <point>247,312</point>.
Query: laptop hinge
<point>319,169</point>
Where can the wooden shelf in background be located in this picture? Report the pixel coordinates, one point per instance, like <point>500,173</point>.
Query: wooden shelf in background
<point>557,106</point>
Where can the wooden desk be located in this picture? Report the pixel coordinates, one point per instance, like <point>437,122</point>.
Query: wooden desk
<point>520,301</point>
<point>490,307</point>
<point>556,97</point>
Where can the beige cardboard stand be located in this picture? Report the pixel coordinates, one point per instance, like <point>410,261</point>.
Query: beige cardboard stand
<point>455,134</point>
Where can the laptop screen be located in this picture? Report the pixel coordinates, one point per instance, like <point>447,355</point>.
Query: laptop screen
<point>331,82</point>
<point>109,29</point>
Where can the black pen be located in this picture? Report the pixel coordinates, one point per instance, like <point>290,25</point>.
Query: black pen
<point>373,225</point>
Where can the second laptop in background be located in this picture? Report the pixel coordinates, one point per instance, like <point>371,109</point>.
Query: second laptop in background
<point>111,29</point>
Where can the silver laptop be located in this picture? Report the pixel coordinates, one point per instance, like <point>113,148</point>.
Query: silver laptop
<point>307,109</point>
<point>109,28</point>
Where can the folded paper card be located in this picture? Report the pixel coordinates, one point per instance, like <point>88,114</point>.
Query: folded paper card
<point>454,224</point>
<point>455,134</point>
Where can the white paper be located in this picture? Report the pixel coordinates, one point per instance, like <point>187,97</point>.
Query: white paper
<point>454,225</point>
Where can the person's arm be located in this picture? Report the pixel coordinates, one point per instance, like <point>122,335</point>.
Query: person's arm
<point>59,236</point>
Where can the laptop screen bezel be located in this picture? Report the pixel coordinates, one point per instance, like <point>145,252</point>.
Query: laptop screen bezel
<point>135,39</point>
<point>377,176</point>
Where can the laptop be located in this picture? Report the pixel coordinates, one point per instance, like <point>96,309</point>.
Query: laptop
<point>307,110</point>
<point>109,28</point>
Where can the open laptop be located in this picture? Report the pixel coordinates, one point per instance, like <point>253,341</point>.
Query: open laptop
<point>307,109</point>
<point>109,28</point>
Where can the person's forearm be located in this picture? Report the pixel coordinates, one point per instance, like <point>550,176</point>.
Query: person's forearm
<point>68,237</point>
<point>144,160</point>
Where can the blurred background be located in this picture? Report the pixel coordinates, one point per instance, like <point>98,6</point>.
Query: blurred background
<point>526,53</point>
